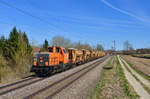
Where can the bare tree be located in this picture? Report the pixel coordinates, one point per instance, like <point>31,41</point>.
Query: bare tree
<point>128,49</point>
<point>78,45</point>
<point>127,46</point>
<point>99,47</point>
<point>87,46</point>
<point>60,41</point>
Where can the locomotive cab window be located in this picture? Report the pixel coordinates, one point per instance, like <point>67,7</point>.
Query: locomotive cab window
<point>61,52</point>
<point>64,50</point>
<point>50,49</point>
<point>57,50</point>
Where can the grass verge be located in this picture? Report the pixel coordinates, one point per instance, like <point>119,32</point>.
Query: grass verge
<point>128,90</point>
<point>10,72</point>
<point>97,91</point>
<point>109,65</point>
<point>113,84</point>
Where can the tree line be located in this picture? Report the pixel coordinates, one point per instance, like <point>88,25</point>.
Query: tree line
<point>128,49</point>
<point>67,43</point>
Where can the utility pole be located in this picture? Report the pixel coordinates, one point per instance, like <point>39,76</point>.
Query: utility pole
<point>114,45</point>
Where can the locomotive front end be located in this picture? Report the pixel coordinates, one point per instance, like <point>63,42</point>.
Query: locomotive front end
<point>41,63</point>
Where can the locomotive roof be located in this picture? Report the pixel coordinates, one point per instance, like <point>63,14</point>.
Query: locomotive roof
<point>72,48</point>
<point>44,52</point>
<point>55,46</point>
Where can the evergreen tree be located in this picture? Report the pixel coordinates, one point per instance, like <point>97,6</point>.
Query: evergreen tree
<point>13,42</point>
<point>2,45</point>
<point>13,45</point>
<point>15,52</point>
<point>45,45</point>
<point>25,38</point>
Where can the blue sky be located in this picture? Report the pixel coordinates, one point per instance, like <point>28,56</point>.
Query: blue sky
<point>88,21</point>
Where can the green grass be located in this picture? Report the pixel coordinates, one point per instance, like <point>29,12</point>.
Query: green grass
<point>109,65</point>
<point>128,90</point>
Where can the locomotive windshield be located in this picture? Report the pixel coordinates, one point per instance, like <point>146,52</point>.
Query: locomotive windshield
<point>50,49</point>
<point>64,50</point>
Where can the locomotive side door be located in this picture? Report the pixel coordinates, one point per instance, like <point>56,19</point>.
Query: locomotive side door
<point>52,57</point>
<point>65,56</point>
<point>56,56</point>
<point>61,58</point>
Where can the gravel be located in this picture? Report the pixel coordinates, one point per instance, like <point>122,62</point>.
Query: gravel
<point>82,88</point>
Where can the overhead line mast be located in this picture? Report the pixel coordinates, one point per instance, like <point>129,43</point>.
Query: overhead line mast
<point>114,44</point>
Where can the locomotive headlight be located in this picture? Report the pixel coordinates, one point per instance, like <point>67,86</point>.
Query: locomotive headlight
<point>41,59</point>
<point>46,63</point>
<point>34,63</point>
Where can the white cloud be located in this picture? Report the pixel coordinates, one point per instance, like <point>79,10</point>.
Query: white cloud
<point>126,12</point>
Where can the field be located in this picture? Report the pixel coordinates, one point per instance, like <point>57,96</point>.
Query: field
<point>142,55</point>
<point>141,64</point>
<point>127,77</point>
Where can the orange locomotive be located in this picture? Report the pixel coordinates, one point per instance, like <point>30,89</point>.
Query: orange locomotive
<point>57,59</point>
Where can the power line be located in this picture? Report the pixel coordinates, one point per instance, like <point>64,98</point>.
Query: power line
<point>26,13</point>
<point>31,15</point>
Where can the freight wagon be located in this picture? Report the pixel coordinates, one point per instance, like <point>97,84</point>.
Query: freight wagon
<point>75,56</point>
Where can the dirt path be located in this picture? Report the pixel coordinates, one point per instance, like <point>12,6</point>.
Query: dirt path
<point>136,85</point>
<point>143,80</point>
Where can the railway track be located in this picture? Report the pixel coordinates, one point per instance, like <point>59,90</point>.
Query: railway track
<point>56,87</point>
<point>14,83</point>
<point>19,84</point>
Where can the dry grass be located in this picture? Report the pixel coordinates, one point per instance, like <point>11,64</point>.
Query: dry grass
<point>142,55</point>
<point>112,88</point>
<point>11,72</point>
<point>140,64</point>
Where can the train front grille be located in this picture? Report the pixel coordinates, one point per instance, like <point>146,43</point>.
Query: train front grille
<point>42,59</point>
